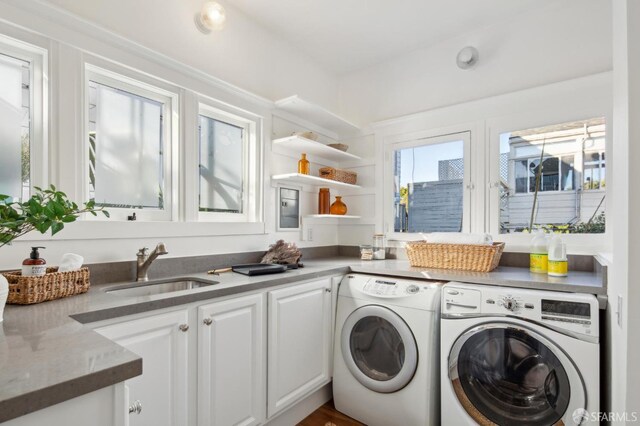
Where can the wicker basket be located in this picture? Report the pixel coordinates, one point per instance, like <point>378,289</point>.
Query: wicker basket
<point>52,285</point>
<point>465,257</point>
<point>338,175</point>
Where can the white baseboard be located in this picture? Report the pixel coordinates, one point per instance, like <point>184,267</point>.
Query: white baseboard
<point>302,409</point>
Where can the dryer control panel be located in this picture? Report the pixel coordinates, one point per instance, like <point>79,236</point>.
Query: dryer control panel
<point>393,291</point>
<point>390,287</point>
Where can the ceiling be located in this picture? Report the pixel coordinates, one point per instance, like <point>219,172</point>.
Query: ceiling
<point>346,35</point>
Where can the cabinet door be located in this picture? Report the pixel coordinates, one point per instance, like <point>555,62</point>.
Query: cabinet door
<point>162,342</point>
<point>231,370</point>
<point>299,342</point>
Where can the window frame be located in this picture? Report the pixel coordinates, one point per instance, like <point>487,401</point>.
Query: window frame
<point>128,81</point>
<point>587,243</point>
<point>252,209</point>
<point>416,140</point>
<point>37,57</point>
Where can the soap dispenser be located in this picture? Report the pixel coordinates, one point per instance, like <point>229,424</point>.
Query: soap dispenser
<point>34,265</point>
<point>558,264</point>
<point>538,256</point>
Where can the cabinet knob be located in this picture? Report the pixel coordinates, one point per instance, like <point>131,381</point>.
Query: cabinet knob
<point>136,407</point>
<point>207,321</point>
<point>184,327</point>
<point>328,290</point>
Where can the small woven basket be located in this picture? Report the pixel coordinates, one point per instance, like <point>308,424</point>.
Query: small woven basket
<point>338,175</point>
<point>464,257</point>
<point>52,285</point>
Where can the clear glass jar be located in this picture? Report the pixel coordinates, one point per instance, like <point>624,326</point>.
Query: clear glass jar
<point>379,247</point>
<point>366,252</point>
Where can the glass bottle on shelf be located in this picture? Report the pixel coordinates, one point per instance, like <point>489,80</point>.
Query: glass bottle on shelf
<point>303,165</point>
<point>338,207</point>
<point>324,200</point>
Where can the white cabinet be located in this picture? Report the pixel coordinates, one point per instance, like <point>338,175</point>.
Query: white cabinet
<point>299,342</point>
<point>231,362</point>
<point>162,342</point>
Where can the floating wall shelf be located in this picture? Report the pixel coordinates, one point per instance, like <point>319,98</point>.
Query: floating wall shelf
<point>312,180</point>
<point>318,115</point>
<point>331,216</point>
<point>298,144</point>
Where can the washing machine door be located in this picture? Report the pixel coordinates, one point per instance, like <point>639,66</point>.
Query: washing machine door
<point>508,374</point>
<point>379,348</point>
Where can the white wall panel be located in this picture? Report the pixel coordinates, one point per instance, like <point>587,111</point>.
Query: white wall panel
<point>546,45</point>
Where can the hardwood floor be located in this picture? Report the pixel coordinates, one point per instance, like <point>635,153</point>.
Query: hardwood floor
<point>327,415</point>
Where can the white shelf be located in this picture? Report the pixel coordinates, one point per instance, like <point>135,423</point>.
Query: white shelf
<point>318,115</point>
<point>298,144</point>
<point>312,180</point>
<point>331,216</point>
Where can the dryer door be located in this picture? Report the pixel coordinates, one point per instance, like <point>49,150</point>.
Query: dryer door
<point>379,348</point>
<point>508,374</point>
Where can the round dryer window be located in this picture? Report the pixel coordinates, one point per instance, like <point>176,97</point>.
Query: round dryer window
<point>379,349</point>
<point>508,375</point>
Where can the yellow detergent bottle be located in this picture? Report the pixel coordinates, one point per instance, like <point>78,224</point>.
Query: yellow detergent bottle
<point>558,265</point>
<point>538,257</point>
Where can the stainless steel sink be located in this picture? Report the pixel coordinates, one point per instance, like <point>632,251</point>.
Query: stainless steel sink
<point>151,288</point>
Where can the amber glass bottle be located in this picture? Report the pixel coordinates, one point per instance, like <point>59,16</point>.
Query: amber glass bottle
<point>303,165</point>
<point>324,201</point>
<point>338,207</point>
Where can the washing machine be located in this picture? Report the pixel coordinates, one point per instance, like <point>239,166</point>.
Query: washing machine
<point>386,351</point>
<point>518,356</point>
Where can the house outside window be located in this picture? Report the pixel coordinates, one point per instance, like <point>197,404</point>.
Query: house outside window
<point>565,193</point>
<point>429,180</point>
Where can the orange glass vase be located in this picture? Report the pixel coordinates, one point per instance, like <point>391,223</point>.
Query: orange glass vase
<point>324,198</point>
<point>338,207</point>
<point>303,165</point>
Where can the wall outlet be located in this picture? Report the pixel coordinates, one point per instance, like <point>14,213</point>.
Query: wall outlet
<point>309,234</point>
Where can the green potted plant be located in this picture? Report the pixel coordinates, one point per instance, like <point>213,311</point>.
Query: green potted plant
<point>47,209</point>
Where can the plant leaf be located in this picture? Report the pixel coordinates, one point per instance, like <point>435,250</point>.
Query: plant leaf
<point>56,227</point>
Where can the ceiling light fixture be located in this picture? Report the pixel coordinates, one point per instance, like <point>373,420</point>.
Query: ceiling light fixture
<point>467,57</point>
<point>211,18</point>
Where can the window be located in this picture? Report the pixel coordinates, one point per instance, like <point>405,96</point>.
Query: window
<point>129,146</point>
<point>15,117</point>
<point>429,177</point>
<point>556,174</point>
<point>594,171</point>
<point>221,166</point>
<point>558,194</point>
<point>228,163</point>
<point>22,118</point>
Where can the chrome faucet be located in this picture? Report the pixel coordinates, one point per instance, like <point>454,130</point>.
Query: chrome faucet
<point>145,260</point>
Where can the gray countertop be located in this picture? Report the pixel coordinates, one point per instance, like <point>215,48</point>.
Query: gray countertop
<point>575,282</point>
<point>48,355</point>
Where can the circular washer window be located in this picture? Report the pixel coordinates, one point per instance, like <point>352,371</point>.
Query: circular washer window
<point>510,375</point>
<point>379,349</point>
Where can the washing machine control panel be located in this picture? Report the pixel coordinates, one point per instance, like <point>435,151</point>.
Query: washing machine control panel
<point>575,312</point>
<point>510,303</point>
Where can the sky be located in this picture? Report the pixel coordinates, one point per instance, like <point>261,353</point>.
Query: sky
<point>420,164</point>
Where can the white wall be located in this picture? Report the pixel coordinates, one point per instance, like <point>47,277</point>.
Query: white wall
<point>624,344</point>
<point>244,53</point>
<point>551,44</point>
